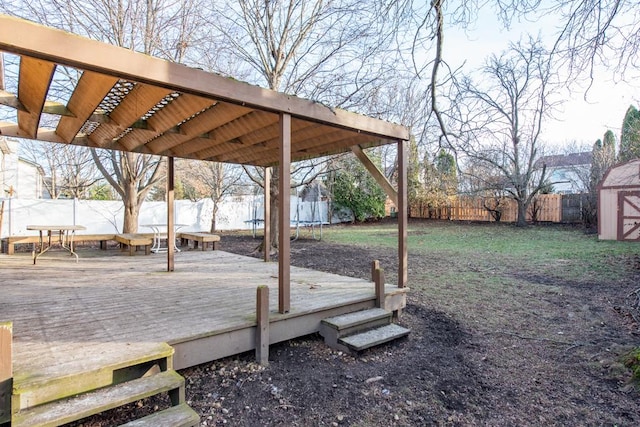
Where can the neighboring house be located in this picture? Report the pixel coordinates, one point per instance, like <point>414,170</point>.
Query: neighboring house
<point>19,177</point>
<point>568,173</point>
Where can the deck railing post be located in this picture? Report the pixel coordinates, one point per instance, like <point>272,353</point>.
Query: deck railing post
<point>262,328</point>
<point>6,372</point>
<point>375,264</point>
<point>378,279</point>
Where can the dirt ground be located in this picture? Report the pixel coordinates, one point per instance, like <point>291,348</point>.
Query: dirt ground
<point>455,368</point>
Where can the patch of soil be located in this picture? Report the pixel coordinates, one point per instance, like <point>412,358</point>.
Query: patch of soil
<point>453,369</point>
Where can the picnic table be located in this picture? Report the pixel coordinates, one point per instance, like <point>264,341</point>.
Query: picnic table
<point>159,233</point>
<point>61,235</point>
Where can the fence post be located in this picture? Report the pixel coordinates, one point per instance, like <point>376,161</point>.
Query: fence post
<point>6,372</point>
<point>262,328</point>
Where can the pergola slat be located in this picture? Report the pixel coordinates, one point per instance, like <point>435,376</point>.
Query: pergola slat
<point>88,94</point>
<point>167,118</point>
<point>140,100</point>
<point>10,100</point>
<point>212,118</point>
<point>33,85</point>
<point>269,141</point>
<point>233,131</point>
<point>305,139</point>
<point>213,152</point>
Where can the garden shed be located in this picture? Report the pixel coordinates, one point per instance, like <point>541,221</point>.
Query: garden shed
<point>619,202</point>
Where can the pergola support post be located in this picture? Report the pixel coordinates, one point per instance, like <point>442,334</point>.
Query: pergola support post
<point>403,216</point>
<point>6,372</point>
<point>171,231</point>
<point>267,215</point>
<point>284,242</point>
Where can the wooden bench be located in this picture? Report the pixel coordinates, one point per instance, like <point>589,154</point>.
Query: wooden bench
<point>199,238</point>
<point>9,243</point>
<point>133,240</point>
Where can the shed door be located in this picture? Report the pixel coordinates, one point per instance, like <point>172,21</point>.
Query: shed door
<point>629,215</point>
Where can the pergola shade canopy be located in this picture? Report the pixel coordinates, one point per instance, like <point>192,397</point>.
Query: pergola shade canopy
<point>129,101</point>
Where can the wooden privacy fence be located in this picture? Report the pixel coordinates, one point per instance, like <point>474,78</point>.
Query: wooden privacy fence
<point>545,208</point>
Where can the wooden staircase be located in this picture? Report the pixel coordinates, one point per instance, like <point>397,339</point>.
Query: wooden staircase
<point>145,372</point>
<point>357,331</point>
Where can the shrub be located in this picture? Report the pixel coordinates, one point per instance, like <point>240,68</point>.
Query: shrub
<point>632,361</point>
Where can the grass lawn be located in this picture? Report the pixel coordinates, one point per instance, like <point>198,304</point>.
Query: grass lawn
<point>497,276</point>
<point>501,246</point>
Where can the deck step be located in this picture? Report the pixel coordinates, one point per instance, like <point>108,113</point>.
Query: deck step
<point>334,328</point>
<point>358,318</point>
<point>176,416</point>
<point>94,402</point>
<point>72,376</point>
<point>374,337</point>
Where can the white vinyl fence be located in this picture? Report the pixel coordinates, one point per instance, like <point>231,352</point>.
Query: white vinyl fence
<point>105,217</point>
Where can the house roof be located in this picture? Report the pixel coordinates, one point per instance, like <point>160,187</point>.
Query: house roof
<point>565,160</point>
<point>129,101</point>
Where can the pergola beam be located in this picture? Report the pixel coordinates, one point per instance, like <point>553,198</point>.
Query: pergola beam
<point>33,84</point>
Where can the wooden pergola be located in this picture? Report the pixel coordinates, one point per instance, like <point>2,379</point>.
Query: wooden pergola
<point>128,101</point>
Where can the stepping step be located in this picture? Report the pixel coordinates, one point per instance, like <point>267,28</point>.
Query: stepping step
<point>373,337</point>
<point>90,403</point>
<point>351,322</point>
<point>176,416</point>
<point>92,367</point>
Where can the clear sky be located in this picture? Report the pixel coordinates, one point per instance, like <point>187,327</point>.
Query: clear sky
<point>584,117</point>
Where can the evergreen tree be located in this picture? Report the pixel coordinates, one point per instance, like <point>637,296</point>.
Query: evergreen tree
<point>414,186</point>
<point>603,157</point>
<point>446,165</point>
<point>596,166</point>
<point>355,190</point>
<point>630,136</point>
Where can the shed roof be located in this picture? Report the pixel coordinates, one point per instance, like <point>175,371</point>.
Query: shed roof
<point>622,176</point>
<point>129,101</point>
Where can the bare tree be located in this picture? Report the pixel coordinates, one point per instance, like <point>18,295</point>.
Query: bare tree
<point>598,32</point>
<point>504,116</point>
<point>70,169</point>
<point>590,33</point>
<point>308,48</point>
<point>132,176</point>
<point>214,180</point>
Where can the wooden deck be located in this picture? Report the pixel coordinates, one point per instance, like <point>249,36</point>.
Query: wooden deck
<point>72,317</point>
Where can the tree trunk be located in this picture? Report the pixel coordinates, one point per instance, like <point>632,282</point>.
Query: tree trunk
<point>130,225</point>
<point>213,219</point>
<point>131,210</point>
<point>522,214</point>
